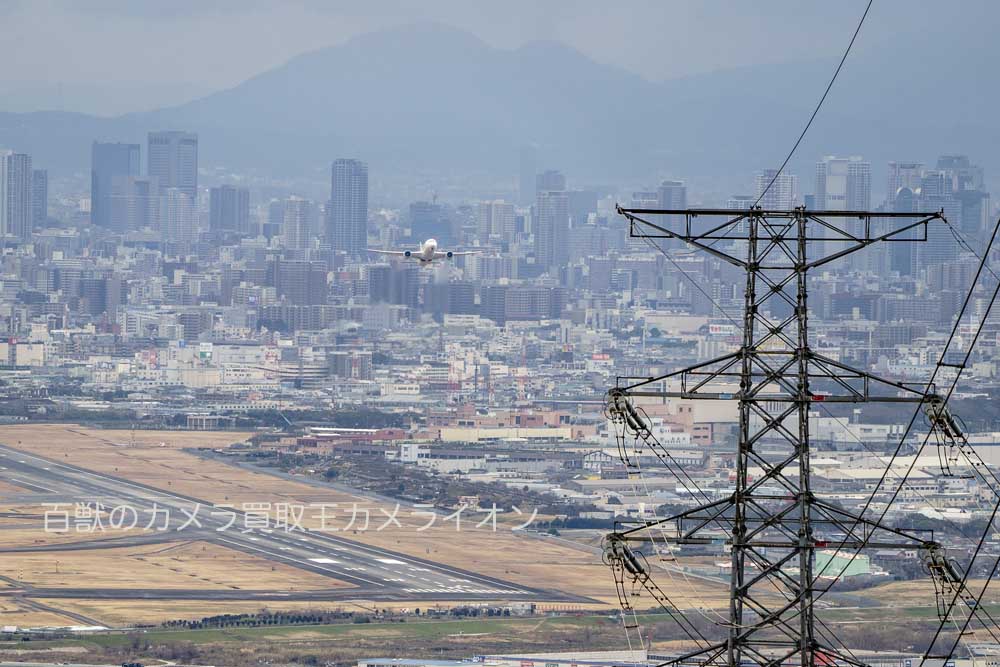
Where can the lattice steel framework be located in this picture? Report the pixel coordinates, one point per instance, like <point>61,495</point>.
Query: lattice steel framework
<point>773,522</point>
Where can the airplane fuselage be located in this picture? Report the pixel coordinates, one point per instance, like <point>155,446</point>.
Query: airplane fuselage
<point>427,250</point>
<point>425,254</point>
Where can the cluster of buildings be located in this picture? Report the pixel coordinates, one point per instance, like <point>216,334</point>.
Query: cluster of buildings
<point>153,294</point>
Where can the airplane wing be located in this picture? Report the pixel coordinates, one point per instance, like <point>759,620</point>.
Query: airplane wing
<point>452,253</point>
<point>397,253</point>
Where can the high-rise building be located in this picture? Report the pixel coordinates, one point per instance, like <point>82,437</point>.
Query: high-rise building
<point>39,197</point>
<point>581,204</point>
<point>178,217</point>
<point>15,195</point>
<point>551,220</point>
<point>299,282</point>
<point>902,175</point>
<point>429,220</point>
<point>961,172</point>
<point>672,195</point>
<point>781,196</point>
<point>528,165</point>
<point>551,180</point>
<point>740,202</point>
<point>275,218</point>
<point>964,180</point>
<point>496,218</point>
<point>135,203</point>
<point>111,165</point>
<point>347,218</point>
<point>936,193</point>
<point>173,161</point>
<point>229,209</point>
<point>902,255</point>
<point>299,226</point>
<point>843,184</point>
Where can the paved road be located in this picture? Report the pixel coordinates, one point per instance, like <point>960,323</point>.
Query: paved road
<point>372,572</point>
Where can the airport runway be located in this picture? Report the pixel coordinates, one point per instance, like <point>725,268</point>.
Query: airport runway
<point>374,574</point>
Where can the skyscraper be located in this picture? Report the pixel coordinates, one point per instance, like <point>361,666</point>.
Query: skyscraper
<point>902,255</point>
<point>430,220</point>
<point>740,202</point>
<point>135,203</point>
<point>528,168</point>
<point>581,204</point>
<point>15,195</point>
<point>229,209</point>
<point>782,193</point>
<point>496,218</point>
<point>552,220</point>
<point>902,175</point>
<point>843,184</point>
<point>178,219</point>
<point>672,194</point>
<point>936,193</point>
<point>299,226</point>
<point>173,161</point>
<point>39,197</point>
<point>110,165</point>
<point>965,182</point>
<point>961,172</point>
<point>275,219</point>
<point>347,218</point>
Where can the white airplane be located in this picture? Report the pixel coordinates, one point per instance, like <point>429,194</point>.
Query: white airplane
<point>427,252</point>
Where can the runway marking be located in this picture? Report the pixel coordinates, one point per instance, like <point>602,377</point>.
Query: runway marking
<point>390,561</point>
<point>324,560</point>
<point>298,560</point>
<point>485,591</point>
<point>161,493</point>
<point>29,485</point>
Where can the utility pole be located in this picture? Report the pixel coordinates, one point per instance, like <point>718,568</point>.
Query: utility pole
<point>772,523</point>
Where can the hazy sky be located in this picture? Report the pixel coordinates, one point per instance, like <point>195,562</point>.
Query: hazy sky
<point>188,47</point>
<point>115,54</point>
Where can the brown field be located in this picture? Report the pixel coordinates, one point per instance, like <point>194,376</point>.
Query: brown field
<point>22,614</point>
<point>157,459</point>
<point>124,612</point>
<point>27,532</point>
<point>11,489</point>
<point>159,566</point>
<point>921,592</point>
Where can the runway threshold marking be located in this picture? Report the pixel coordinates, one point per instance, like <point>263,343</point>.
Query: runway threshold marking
<point>298,560</point>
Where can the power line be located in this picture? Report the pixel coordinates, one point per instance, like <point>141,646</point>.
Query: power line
<point>820,104</point>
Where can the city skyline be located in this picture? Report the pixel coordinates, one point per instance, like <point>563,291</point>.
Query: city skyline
<point>515,335</point>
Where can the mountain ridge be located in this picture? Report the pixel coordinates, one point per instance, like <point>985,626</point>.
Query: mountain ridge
<point>434,97</point>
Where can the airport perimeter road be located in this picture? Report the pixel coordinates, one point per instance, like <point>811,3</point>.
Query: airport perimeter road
<point>373,573</point>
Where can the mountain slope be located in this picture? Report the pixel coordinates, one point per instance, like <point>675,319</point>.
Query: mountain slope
<point>437,98</point>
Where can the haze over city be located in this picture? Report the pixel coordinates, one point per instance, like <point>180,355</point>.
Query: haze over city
<point>519,334</point>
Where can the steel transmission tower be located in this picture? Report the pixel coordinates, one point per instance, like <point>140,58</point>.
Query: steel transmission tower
<point>772,522</point>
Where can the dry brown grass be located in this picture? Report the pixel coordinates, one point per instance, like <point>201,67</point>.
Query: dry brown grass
<point>168,566</point>
<point>14,612</point>
<point>130,612</point>
<point>157,460</point>
<point>8,489</point>
<point>921,592</point>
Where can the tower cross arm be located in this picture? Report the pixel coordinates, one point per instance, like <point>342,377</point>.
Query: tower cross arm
<point>732,228</point>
